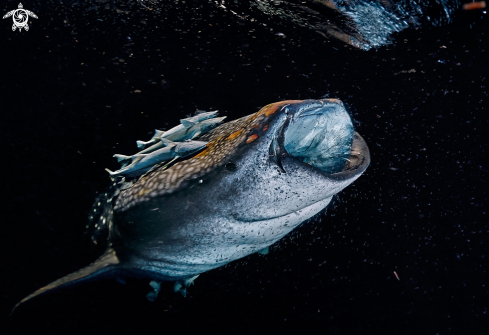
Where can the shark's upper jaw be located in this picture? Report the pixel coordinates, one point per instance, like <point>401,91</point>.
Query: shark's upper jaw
<point>320,133</point>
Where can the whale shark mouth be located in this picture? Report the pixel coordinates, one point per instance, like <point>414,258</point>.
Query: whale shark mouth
<point>320,134</point>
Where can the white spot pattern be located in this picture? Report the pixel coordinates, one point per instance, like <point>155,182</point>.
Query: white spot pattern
<point>160,182</point>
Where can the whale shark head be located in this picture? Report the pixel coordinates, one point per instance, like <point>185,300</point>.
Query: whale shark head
<point>304,153</point>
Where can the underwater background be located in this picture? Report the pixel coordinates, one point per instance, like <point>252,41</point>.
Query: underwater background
<point>402,250</point>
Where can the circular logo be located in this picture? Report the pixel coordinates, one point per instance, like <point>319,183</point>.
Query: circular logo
<point>20,17</point>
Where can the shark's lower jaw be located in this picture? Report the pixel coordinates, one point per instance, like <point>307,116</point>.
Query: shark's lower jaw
<point>320,133</point>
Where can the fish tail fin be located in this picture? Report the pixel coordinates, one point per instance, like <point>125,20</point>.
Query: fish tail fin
<point>110,172</point>
<point>123,160</point>
<point>141,144</point>
<point>103,266</point>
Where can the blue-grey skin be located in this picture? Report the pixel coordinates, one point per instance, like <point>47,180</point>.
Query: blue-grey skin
<point>184,134</point>
<point>185,123</point>
<point>142,163</point>
<point>241,194</point>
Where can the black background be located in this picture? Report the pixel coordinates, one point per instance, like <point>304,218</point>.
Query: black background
<point>89,79</point>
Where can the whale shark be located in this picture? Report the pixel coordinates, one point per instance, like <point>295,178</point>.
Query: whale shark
<point>257,179</point>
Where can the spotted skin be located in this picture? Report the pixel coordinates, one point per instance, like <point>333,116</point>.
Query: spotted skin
<point>223,141</point>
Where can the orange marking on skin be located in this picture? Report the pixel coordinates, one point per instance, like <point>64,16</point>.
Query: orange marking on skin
<point>209,147</point>
<point>254,116</point>
<point>474,5</point>
<point>234,135</point>
<point>262,111</point>
<point>203,153</point>
<point>265,128</point>
<point>272,108</point>
<point>336,101</point>
<point>256,126</point>
<point>251,138</point>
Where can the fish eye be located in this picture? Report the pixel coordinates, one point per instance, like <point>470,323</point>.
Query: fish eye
<point>231,167</point>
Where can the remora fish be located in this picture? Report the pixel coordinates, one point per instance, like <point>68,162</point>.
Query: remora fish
<point>186,133</point>
<point>185,123</point>
<point>244,192</point>
<point>141,163</point>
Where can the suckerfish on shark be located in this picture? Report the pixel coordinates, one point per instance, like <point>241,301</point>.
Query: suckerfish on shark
<point>182,131</point>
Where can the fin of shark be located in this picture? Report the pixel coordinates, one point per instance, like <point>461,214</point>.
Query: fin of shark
<point>106,265</point>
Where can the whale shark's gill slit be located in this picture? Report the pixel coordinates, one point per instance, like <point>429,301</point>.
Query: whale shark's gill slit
<point>277,149</point>
<point>280,167</point>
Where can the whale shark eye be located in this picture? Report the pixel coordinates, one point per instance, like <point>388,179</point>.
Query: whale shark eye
<point>231,167</point>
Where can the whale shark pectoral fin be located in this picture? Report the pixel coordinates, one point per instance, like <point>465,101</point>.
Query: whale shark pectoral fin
<point>264,251</point>
<point>182,285</point>
<point>103,266</point>
<point>187,123</point>
<point>156,285</point>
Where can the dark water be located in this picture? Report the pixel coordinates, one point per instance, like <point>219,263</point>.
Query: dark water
<point>89,79</point>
